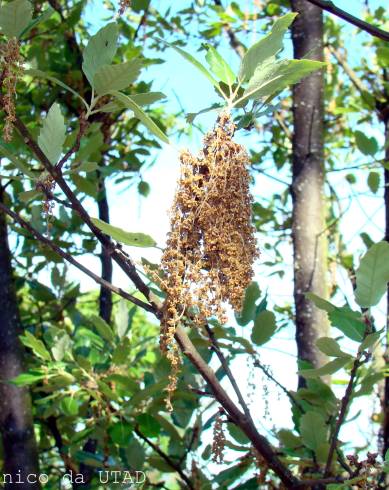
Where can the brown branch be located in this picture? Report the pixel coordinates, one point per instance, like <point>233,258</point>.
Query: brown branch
<point>329,6</point>
<point>342,413</point>
<point>216,348</point>
<point>166,458</point>
<point>49,243</point>
<point>74,149</point>
<point>246,425</point>
<point>355,80</point>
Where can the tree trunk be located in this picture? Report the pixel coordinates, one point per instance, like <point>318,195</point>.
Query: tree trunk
<point>16,422</point>
<point>308,220</point>
<point>385,431</point>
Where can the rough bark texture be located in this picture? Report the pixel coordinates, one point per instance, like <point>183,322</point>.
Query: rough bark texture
<point>16,423</point>
<point>309,240</point>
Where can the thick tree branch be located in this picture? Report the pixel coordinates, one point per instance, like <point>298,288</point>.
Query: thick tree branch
<point>330,7</point>
<point>49,243</point>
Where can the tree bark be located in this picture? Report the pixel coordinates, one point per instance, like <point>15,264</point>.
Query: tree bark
<point>16,421</point>
<point>308,218</point>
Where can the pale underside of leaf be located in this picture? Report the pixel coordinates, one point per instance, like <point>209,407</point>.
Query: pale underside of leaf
<point>15,17</point>
<point>52,135</point>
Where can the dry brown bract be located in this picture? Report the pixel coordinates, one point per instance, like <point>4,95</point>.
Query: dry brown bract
<point>208,260</point>
<point>11,64</point>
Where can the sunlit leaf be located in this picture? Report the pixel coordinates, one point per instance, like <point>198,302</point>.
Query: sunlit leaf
<point>53,133</point>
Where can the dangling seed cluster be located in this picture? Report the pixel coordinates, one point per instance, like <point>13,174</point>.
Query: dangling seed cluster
<point>11,66</point>
<point>219,439</point>
<point>208,260</point>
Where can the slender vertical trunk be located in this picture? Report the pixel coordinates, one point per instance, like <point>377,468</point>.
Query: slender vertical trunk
<point>16,422</point>
<point>308,220</point>
<point>385,431</point>
<point>105,299</point>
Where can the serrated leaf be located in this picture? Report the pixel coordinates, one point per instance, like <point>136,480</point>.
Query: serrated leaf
<point>264,327</point>
<point>372,275</point>
<point>373,181</point>
<point>266,47</point>
<point>141,115</point>
<point>219,66</point>
<point>320,303</point>
<point>36,345</point>
<point>125,237</point>
<point>104,330</point>
<point>329,368</point>
<point>274,76</point>
<point>313,430</point>
<point>366,145</point>
<point>116,77</point>
<point>52,135</point>
<point>15,17</point>
<point>330,347</point>
<point>247,313</point>
<point>349,322</point>
<point>100,50</point>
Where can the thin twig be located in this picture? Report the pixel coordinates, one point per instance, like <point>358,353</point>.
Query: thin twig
<point>216,348</point>
<point>329,6</point>
<point>165,457</point>
<point>49,243</point>
<point>74,149</point>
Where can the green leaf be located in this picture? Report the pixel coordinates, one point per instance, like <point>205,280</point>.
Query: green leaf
<point>383,56</point>
<point>366,145</point>
<point>320,303</point>
<point>273,76</point>
<point>15,17</point>
<point>219,66</point>
<point>100,50</point>
<point>121,433</point>
<point>116,77</point>
<point>27,196</point>
<point>369,341</point>
<point>121,318</point>
<point>147,98</point>
<point>372,275</point>
<point>373,181</point>
<point>330,347</point>
<point>104,330</point>
<point>288,439</point>
<point>264,327</point>
<point>265,48</point>
<point>247,313</point>
<point>349,322</point>
<point>16,162</point>
<point>69,406</point>
<point>141,115</point>
<point>237,433</point>
<point>41,74</point>
<point>125,237</point>
<point>26,379</point>
<point>313,430</point>
<point>148,425</point>
<point>53,133</point>
<point>329,368</point>
<point>36,345</point>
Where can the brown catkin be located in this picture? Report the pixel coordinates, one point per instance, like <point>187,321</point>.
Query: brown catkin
<point>219,439</point>
<point>11,66</point>
<point>211,248</point>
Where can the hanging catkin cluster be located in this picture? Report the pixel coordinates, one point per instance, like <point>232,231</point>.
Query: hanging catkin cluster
<point>11,65</point>
<point>208,260</point>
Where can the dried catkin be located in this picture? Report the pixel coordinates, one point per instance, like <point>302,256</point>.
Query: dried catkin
<point>11,66</point>
<point>211,247</point>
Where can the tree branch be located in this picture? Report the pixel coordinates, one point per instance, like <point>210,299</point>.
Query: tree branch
<point>330,7</point>
<point>49,243</point>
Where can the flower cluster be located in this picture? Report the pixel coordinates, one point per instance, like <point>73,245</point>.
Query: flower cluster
<point>208,260</point>
<point>219,439</point>
<point>11,65</point>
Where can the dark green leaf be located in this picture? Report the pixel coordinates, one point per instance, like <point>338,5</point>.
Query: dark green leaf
<point>264,327</point>
<point>15,17</point>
